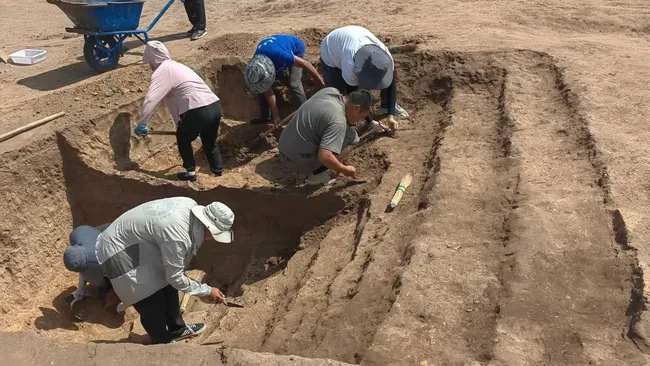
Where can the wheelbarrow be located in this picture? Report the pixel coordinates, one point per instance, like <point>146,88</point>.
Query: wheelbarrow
<point>105,24</point>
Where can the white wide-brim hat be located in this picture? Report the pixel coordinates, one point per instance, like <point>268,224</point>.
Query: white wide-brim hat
<point>218,218</point>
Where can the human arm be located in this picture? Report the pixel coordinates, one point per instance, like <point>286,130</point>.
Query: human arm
<point>304,64</point>
<point>391,101</point>
<point>160,86</point>
<point>81,288</point>
<point>328,159</point>
<point>271,100</point>
<point>173,254</point>
<point>332,143</point>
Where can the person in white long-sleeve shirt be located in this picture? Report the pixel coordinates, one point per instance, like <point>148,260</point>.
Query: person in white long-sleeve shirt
<point>146,251</point>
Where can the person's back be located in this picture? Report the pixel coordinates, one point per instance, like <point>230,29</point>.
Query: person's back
<point>186,90</point>
<point>281,49</point>
<point>132,248</point>
<point>318,123</point>
<point>340,45</point>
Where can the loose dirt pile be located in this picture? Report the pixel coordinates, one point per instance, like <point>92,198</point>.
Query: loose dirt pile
<point>507,248</point>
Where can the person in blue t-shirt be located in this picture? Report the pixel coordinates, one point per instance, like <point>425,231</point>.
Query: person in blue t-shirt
<point>273,56</point>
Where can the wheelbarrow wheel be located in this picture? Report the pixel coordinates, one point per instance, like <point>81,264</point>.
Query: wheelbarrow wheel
<point>99,55</point>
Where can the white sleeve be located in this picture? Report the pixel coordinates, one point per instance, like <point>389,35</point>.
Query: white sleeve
<point>173,256</point>
<point>347,70</point>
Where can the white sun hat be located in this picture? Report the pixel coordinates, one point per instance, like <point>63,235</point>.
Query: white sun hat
<point>218,218</point>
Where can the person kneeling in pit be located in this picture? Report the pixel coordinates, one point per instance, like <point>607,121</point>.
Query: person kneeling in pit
<point>80,257</point>
<point>146,251</point>
<point>319,135</point>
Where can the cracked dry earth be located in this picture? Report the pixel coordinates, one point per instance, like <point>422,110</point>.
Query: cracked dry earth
<point>516,243</point>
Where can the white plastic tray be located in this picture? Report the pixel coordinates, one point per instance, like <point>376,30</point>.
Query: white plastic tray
<point>28,56</point>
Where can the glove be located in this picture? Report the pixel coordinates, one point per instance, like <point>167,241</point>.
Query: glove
<point>141,131</point>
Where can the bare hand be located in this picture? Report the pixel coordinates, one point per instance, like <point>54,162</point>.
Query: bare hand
<point>217,295</point>
<point>392,123</point>
<point>350,171</point>
<point>276,123</point>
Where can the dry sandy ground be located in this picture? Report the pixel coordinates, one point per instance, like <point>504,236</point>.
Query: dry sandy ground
<point>523,239</point>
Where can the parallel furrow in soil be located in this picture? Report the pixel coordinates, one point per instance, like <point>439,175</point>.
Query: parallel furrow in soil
<point>445,310</point>
<point>566,282</point>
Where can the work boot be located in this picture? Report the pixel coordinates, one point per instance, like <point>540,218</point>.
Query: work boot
<point>190,330</point>
<point>399,111</point>
<point>188,176</point>
<point>198,33</point>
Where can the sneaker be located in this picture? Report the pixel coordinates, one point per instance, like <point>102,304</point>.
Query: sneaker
<point>399,111</point>
<point>186,176</point>
<point>218,173</point>
<point>189,32</point>
<point>320,178</point>
<point>259,121</point>
<point>190,330</point>
<point>198,33</point>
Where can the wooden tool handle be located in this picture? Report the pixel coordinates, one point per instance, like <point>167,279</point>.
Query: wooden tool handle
<point>28,127</point>
<point>198,277</point>
<point>282,123</point>
<point>403,184</point>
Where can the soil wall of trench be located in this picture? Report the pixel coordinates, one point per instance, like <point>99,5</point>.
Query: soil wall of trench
<point>506,246</point>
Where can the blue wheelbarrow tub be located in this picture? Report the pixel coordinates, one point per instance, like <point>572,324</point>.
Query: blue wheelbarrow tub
<point>102,16</point>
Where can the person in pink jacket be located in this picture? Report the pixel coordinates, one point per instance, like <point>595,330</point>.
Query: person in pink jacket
<point>196,110</point>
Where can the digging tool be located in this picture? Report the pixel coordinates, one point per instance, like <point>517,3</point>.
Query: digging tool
<point>233,305</point>
<point>401,188</point>
<point>197,275</point>
<point>376,127</point>
<point>272,129</point>
<point>167,133</point>
<point>28,127</point>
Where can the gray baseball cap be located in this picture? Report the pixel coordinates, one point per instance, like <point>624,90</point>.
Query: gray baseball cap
<point>218,218</point>
<point>75,259</point>
<point>259,74</point>
<point>374,67</point>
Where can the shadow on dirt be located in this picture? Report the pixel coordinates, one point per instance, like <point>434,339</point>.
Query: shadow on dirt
<point>59,78</point>
<point>94,310</point>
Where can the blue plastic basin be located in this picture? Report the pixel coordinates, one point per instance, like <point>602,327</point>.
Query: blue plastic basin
<point>102,16</point>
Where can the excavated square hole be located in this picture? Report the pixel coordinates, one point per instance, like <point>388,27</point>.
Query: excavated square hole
<point>93,172</point>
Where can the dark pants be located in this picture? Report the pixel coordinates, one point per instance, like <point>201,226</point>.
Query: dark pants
<point>297,92</point>
<point>195,10</point>
<point>160,315</point>
<point>333,77</point>
<point>204,122</point>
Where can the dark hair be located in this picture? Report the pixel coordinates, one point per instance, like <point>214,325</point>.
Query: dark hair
<point>363,98</point>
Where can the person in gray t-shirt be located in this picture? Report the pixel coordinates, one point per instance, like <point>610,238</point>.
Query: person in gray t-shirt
<point>319,135</point>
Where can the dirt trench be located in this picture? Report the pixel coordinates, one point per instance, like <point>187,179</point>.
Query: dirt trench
<point>502,251</point>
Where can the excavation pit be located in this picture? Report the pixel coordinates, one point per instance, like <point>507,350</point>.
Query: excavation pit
<point>327,272</point>
<point>292,240</point>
